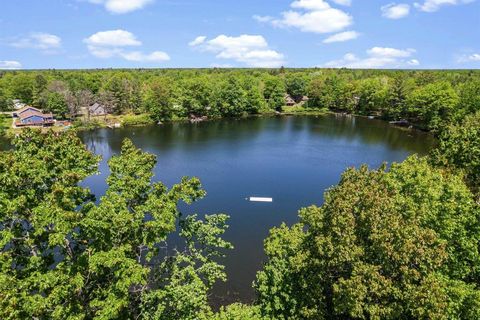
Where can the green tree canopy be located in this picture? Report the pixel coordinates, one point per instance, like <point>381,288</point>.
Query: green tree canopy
<point>433,104</point>
<point>469,93</point>
<point>459,148</point>
<point>397,244</point>
<point>296,85</point>
<point>274,92</point>
<point>372,95</point>
<point>158,99</point>
<point>57,104</point>
<point>231,98</point>
<point>64,256</point>
<point>332,92</point>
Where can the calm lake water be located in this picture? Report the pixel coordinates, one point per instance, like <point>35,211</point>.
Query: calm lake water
<point>291,159</point>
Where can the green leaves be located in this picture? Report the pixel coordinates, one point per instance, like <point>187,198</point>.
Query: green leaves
<point>66,257</point>
<point>433,104</point>
<point>459,149</point>
<point>158,99</point>
<point>385,244</point>
<point>56,104</point>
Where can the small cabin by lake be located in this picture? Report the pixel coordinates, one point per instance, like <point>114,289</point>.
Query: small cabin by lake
<point>289,101</point>
<point>97,110</point>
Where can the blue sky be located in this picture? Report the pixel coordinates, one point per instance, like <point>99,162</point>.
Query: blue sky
<point>247,33</point>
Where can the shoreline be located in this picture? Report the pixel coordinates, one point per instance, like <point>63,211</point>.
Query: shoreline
<point>139,120</point>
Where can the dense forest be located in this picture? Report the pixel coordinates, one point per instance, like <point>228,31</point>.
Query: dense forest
<point>428,99</point>
<point>401,242</point>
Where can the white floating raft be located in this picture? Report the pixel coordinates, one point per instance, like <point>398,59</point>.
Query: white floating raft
<point>259,199</point>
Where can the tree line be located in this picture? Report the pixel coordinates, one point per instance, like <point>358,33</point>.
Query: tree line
<point>428,99</point>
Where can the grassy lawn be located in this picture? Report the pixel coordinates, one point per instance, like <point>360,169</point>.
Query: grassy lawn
<point>5,123</point>
<point>125,120</point>
<point>300,110</point>
<point>103,122</point>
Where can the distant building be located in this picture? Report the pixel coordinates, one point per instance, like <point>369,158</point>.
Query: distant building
<point>303,100</point>
<point>18,104</point>
<point>289,100</point>
<point>96,110</point>
<point>30,116</point>
<point>17,113</point>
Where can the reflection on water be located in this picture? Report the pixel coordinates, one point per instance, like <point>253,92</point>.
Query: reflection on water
<point>292,159</point>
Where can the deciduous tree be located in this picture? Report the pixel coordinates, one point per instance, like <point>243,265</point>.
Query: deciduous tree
<point>63,256</point>
<point>397,244</point>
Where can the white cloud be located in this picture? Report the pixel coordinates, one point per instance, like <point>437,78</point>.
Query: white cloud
<point>251,50</point>
<point>112,38</point>
<point>156,56</point>
<point>434,5</point>
<point>310,4</point>
<point>342,37</point>
<point>395,11</point>
<point>39,40</point>
<point>112,43</point>
<point>10,65</point>
<point>312,16</point>
<point>343,2</point>
<point>198,40</point>
<point>377,57</point>
<point>122,6</point>
<point>321,21</point>
<point>101,52</point>
<point>413,62</point>
<point>263,18</point>
<point>390,52</point>
<point>474,57</point>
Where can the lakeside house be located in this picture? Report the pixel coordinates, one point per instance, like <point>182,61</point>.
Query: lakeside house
<point>30,116</point>
<point>289,101</point>
<point>97,110</point>
<point>292,101</point>
<point>19,112</point>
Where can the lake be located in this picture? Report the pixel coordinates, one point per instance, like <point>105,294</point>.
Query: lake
<point>291,159</point>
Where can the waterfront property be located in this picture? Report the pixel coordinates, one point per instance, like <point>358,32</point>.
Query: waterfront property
<point>289,101</point>
<point>30,116</point>
<point>97,110</point>
<point>24,109</point>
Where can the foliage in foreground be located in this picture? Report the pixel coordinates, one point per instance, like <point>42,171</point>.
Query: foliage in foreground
<point>397,244</point>
<point>459,148</point>
<point>63,256</point>
<point>401,243</point>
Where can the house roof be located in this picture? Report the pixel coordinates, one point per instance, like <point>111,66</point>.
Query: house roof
<point>29,113</point>
<point>96,106</point>
<point>97,109</point>
<point>289,98</point>
<point>26,108</point>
